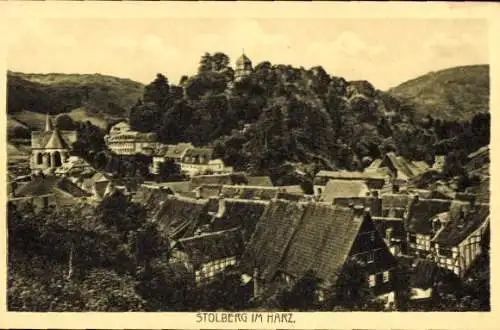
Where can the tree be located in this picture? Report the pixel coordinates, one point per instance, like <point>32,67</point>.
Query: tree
<point>117,211</point>
<point>157,92</point>
<point>65,122</point>
<point>20,132</point>
<point>106,291</point>
<point>220,61</point>
<point>351,291</point>
<point>302,296</point>
<point>168,170</point>
<point>90,140</point>
<point>205,63</point>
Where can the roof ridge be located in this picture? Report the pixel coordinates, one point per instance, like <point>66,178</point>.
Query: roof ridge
<point>56,141</point>
<point>214,233</point>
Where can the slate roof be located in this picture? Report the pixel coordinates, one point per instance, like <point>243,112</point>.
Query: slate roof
<point>219,179</point>
<point>482,191</point>
<point>459,228</point>
<point>175,187</point>
<point>272,234</point>
<point>249,192</point>
<point>56,141</point>
<point>395,201</point>
<point>373,203</point>
<point>419,167</point>
<point>428,194</point>
<point>420,214</point>
<point>383,223</point>
<point>294,189</point>
<point>374,178</point>
<point>198,155</point>
<point>155,199</point>
<point>243,60</point>
<point>374,165</point>
<point>208,247</point>
<point>180,216</point>
<point>344,188</point>
<point>263,181</point>
<point>40,139</point>
<point>350,175</point>
<point>97,183</point>
<point>47,186</point>
<point>322,242</point>
<point>177,150</point>
<point>405,170</point>
<point>208,190</point>
<point>239,213</point>
<point>481,152</point>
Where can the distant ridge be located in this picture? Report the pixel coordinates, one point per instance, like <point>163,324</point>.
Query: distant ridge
<point>101,96</point>
<point>452,94</point>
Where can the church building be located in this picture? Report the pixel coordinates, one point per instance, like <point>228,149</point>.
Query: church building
<point>50,148</point>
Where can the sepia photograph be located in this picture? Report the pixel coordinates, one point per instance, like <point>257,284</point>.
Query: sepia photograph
<point>248,165</point>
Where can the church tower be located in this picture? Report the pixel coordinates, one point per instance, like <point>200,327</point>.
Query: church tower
<point>243,67</point>
<point>50,147</point>
<point>48,124</point>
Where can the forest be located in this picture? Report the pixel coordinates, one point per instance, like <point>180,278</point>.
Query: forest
<point>281,115</point>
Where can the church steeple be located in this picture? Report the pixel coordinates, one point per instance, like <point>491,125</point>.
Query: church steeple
<point>48,124</point>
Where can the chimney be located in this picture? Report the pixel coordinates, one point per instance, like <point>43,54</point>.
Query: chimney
<point>416,198</point>
<point>472,204</point>
<point>377,205</point>
<point>198,193</point>
<point>255,282</point>
<point>358,209</point>
<point>222,207</point>
<point>461,218</point>
<point>367,211</point>
<point>388,234</point>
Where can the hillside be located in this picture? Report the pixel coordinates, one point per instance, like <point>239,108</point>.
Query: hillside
<point>98,95</point>
<point>452,94</point>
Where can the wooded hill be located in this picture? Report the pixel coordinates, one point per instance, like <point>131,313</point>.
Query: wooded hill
<point>451,94</point>
<point>281,114</point>
<point>277,115</point>
<point>93,95</point>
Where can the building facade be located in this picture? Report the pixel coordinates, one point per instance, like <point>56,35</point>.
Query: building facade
<point>121,140</point>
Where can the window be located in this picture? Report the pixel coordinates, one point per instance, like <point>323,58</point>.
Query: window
<point>386,277</point>
<point>412,238</point>
<point>372,281</point>
<point>372,236</point>
<point>445,252</point>
<point>371,257</point>
<point>320,295</point>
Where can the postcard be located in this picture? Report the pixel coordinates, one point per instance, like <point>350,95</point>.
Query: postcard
<point>248,165</point>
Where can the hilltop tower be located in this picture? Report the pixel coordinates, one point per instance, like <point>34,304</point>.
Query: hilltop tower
<point>243,67</point>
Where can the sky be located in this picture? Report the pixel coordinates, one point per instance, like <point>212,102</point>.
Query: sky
<point>385,52</point>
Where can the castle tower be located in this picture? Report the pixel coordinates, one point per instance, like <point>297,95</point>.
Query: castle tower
<point>243,67</point>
